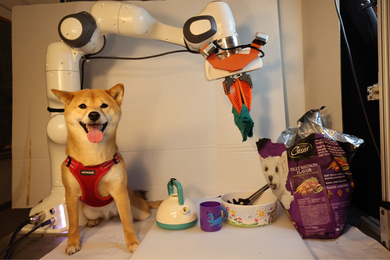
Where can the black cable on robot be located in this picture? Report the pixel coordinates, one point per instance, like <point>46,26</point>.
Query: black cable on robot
<point>12,243</point>
<point>240,46</point>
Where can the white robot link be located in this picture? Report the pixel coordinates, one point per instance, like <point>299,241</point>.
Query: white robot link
<point>211,33</point>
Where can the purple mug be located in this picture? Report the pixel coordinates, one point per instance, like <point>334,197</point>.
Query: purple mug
<point>211,216</point>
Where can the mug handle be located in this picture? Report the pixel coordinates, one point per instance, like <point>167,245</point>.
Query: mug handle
<point>226,213</point>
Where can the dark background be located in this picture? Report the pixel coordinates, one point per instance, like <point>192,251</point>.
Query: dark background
<point>361,30</point>
<point>5,86</point>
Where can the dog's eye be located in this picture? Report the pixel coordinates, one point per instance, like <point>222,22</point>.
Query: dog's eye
<point>104,105</point>
<point>266,169</point>
<point>276,169</point>
<point>83,106</point>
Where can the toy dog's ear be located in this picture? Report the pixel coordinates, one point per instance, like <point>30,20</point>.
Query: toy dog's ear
<point>261,158</point>
<point>116,92</point>
<point>65,96</point>
<point>284,161</point>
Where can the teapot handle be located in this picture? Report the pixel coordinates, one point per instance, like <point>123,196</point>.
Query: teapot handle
<point>176,183</point>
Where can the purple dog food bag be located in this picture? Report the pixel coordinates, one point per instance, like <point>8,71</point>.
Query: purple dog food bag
<point>311,178</point>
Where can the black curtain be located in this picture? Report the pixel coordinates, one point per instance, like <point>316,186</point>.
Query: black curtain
<point>361,30</point>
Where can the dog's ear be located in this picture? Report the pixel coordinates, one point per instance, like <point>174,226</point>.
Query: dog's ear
<point>116,92</point>
<point>65,96</point>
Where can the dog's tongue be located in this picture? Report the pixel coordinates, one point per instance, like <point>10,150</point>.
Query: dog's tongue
<point>95,135</point>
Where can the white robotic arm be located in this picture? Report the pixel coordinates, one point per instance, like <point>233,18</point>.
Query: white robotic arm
<point>211,33</point>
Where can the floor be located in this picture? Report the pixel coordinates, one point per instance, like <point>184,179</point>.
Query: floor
<point>34,246</point>
<point>27,248</point>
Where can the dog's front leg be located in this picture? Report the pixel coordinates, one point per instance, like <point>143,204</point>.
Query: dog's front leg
<point>123,203</point>
<point>73,245</point>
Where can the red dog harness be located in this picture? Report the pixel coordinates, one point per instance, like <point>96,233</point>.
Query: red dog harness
<point>89,177</point>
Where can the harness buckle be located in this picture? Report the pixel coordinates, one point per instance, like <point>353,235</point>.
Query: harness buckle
<point>116,158</point>
<point>68,161</point>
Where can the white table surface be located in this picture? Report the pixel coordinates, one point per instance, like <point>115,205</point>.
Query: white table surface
<point>279,240</point>
<point>107,241</point>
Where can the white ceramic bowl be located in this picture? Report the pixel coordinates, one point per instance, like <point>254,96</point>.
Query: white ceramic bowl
<point>261,213</point>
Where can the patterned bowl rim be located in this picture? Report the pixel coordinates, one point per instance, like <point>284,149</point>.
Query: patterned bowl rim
<point>274,199</point>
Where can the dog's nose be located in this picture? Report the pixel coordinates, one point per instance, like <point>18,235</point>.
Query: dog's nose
<point>270,178</point>
<point>94,116</point>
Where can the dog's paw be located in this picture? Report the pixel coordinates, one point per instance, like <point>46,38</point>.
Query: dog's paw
<point>72,248</point>
<point>133,246</point>
<point>93,222</point>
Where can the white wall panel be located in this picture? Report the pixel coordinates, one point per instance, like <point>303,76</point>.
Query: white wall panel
<point>174,123</point>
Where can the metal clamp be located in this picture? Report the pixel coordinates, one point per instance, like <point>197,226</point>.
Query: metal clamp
<point>210,48</point>
<point>247,78</point>
<point>229,81</point>
<point>373,92</point>
<point>261,38</point>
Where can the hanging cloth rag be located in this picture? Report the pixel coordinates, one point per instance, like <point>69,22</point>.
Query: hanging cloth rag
<point>244,122</point>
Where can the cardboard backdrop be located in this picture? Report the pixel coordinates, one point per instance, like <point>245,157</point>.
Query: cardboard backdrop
<point>174,124</point>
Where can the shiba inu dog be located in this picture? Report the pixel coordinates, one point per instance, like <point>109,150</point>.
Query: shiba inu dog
<point>94,170</point>
<point>275,171</point>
